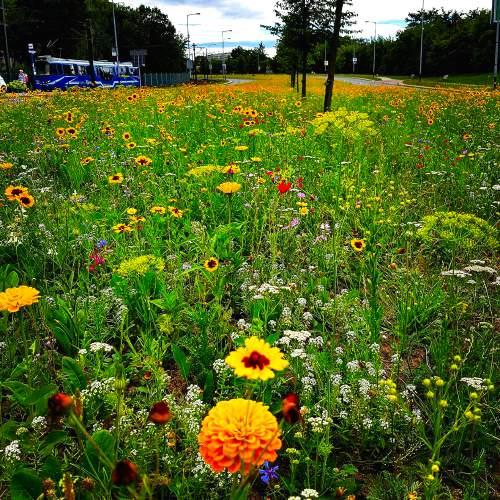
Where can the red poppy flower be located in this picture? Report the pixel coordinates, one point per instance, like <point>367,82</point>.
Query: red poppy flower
<point>284,186</point>
<point>124,473</point>
<point>60,404</point>
<point>290,408</point>
<point>160,413</point>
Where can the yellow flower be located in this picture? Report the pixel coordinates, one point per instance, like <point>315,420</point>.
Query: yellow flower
<point>157,210</point>
<point>131,145</point>
<point>115,179</point>
<point>229,187</point>
<point>211,264</point>
<point>231,169</point>
<point>241,148</point>
<point>303,210</point>
<point>13,193</point>
<point>237,435</point>
<point>175,212</point>
<point>26,200</point>
<point>131,211</point>
<point>13,299</point>
<point>358,245</point>
<point>6,165</point>
<point>122,228</point>
<point>256,159</point>
<point>256,360</point>
<point>143,161</point>
<point>87,160</point>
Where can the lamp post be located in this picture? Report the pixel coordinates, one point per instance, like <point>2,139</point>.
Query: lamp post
<point>116,41</point>
<point>374,46</point>
<point>187,27</point>
<point>223,58</point>
<point>421,43</point>
<point>7,57</point>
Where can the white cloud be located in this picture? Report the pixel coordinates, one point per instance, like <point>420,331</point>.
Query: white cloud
<point>244,18</point>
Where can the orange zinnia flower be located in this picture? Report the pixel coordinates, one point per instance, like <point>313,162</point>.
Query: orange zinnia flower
<point>12,299</point>
<point>239,434</point>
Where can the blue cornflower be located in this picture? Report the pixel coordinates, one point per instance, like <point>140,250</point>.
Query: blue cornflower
<point>268,474</point>
<point>101,243</point>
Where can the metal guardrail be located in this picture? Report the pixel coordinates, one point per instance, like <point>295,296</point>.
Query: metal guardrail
<point>164,79</point>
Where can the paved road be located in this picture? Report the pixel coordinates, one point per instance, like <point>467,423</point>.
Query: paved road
<point>365,81</point>
<point>238,81</point>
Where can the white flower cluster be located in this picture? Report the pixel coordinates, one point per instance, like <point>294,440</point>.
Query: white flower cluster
<point>220,367</point>
<point>301,337</point>
<point>39,424</point>
<point>474,382</point>
<point>309,493</point>
<point>99,388</point>
<point>100,346</point>
<point>12,452</point>
<point>318,424</point>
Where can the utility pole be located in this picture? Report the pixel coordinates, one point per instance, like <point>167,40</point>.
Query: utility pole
<point>194,63</point>
<point>223,57</point>
<point>421,43</point>
<point>495,66</point>
<point>6,42</point>
<point>325,60</point>
<point>116,41</point>
<point>90,51</point>
<point>374,46</point>
<point>187,28</point>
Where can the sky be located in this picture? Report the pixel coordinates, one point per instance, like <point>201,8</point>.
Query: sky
<point>244,18</point>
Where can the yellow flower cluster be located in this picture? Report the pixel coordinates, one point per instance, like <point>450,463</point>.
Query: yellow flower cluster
<point>140,265</point>
<point>351,124</point>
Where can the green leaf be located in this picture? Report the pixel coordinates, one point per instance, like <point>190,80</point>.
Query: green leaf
<point>8,430</point>
<point>51,440</point>
<point>74,374</point>
<point>12,280</point>
<point>25,484</point>
<point>51,468</point>
<point>181,360</point>
<point>106,443</point>
<point>208,388</point>
<point>43,393</point>
<point>20,391</point>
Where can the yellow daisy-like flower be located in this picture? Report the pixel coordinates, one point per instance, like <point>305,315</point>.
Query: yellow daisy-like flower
<point>231,169</point>
<point>115,178</point>
<point>14,192</point>
<point>122,228</point>
<point>87,160</point>
<point>13,299</point>
<point>256,159</point>
<point>131,211</point>
<point>158,210</point>
<point>257,360</point>
<point>358,245</point>
<point>6,165</point>
<point>211,264</point>
<point>131,145</point>
<point>126,136</point>
<point>60,131</point>
<point>238,435</point>
<point>143,161</point>
<point>241,148</point>
<point>229,187</point>
<point>26,200</point>
<point>303,210</point>
<point>175,212</point>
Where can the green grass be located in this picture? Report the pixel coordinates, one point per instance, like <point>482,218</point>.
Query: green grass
<point>360,244</point>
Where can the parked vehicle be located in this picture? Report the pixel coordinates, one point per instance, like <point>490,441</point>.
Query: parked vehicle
<point>3,85</point>
<point>58,73</point>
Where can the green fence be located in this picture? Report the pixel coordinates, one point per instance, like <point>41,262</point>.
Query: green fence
<point>164,79</point>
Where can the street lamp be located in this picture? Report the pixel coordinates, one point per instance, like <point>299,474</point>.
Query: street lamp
<point>116,40</point>
<point>187,27</point>
<point>421,43</point>
<point>374,42</point>
<point>223,58</point>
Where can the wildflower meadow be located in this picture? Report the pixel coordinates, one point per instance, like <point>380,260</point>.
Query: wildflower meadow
<point>218,291</point>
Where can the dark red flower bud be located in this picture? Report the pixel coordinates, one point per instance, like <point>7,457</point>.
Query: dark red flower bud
<point>290,408</point>
<point>124,473</point>
<point>160,413</point>
<point>60,404</point>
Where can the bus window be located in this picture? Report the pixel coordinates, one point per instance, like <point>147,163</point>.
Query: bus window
<point>132,71</point>
<point>83,70</point>
<point>68,69</point>
<point>42,68</point>
<point>55,69</point>
<point>105,73</point>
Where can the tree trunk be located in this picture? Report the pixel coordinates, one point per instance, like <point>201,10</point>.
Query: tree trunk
<point>332,56</point>
<point>292,78</point>
<point>304,48</point>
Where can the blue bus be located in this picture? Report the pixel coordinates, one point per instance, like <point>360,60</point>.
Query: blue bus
<point>57,73</point>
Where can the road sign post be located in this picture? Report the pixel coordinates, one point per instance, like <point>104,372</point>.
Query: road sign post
<point>495,18</point>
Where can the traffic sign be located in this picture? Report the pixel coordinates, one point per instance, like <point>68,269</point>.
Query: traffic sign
<point>326,62</point>
<point>354,60</point>
<point>495,11</point>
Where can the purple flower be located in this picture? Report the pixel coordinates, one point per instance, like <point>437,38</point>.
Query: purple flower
<point>101,243</point>
<point>294,222</point>
<point>268,474</point>
<point>301,195</point>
